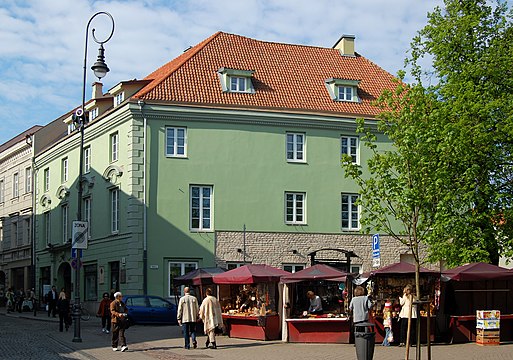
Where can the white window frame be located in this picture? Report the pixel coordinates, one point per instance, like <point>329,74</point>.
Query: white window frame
<point>292,139</point>
<point>295,202</point>
<point>64,170</point>
<point>114,210</point>
<point>201,209</point>
<point>239,84</point>
<point>28,180</point>
<point>46,179</point>
<point>87,215</point>
<point>351,205</point>
<point>119,98</point>
<point>349,148</point>
<point>114,147</point>
<point>27,223</point>
<point>65,223</point>
<point>342,93</point>
<point>182,265</point>
<point>47,227</point>
<point>236,264</point>
<point>358,266</point>
<point>15,233</point>
<point>87,159</point>
<point>15,185</point>
<point>172,141</point>
<point>93,113</point>
<point>295,267</point>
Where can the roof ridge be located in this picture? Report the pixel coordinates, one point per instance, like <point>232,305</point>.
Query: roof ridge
<point>277,42</point>
<point>186,57</point>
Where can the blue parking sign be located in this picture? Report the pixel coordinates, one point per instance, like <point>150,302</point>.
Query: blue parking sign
<point>376,253</point>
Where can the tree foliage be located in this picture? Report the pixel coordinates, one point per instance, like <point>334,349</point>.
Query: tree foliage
<point>448,179</point>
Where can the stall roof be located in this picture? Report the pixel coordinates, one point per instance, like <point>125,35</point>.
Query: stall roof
<point>250,274</point>
<point>316,272</point>
<point>202,276</point>
<point>399,268</point>
<point>476,272</point>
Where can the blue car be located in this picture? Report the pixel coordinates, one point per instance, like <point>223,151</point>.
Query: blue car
<point>148,309</point>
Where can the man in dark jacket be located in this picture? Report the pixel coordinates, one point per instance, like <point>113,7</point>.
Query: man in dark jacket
<point>52,301</point>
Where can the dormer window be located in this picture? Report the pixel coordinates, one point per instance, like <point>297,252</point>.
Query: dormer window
<point>119,98</point>
<point>343,89</point>
<point>237,81</point>
<point>93,113</point>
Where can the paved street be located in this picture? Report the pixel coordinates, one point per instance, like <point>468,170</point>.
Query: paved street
<point>27,337</point>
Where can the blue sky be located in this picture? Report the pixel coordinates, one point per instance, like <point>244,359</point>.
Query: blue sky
<point>42,41</point>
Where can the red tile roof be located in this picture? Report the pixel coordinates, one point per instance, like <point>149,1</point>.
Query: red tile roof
<point>286,78</point>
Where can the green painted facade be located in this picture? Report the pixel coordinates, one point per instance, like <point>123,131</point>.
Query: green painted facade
<point>241,154</point>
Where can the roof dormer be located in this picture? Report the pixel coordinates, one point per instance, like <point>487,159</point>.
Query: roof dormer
<point>236,81</point>
<point>343,89</point>
<point>125,89</point>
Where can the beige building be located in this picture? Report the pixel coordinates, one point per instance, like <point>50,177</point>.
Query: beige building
<point>16,210</point>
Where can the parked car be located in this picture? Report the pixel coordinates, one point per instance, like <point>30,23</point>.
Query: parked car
<point>148,309</point>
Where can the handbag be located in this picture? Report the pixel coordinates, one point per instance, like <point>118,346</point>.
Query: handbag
<point>218,330</point>
<point>123,322</point>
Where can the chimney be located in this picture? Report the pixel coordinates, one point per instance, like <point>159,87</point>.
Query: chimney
<point>97,90</point>
<point>345,45</point>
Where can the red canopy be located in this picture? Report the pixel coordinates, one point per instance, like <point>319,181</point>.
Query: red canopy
<point>250,274</point>
<point>316,272</point>
<point>399,268</point>
<point>476,272</point>
<point>202,276</point>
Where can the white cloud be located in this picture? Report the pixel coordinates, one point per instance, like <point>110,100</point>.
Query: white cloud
<point>42,50</point>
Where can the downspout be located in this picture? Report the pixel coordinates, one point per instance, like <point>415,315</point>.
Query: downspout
<point>145,227</point>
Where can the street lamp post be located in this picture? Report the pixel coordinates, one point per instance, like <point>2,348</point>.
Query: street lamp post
<point>100,69</point>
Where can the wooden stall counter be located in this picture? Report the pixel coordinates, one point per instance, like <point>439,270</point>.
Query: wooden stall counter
<point>253,327</point>
<point>319,330</point>
<point>463,328</point>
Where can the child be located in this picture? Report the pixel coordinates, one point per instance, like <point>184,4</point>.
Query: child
<point>387,323</point>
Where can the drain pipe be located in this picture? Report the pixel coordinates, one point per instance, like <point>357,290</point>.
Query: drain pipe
<point>145,227</point>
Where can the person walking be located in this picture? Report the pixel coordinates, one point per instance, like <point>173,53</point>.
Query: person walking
<point>10,300</point>
<point>210,313</point>
<point>104,312</point>
<point>52,298</point>
<point>187,315</point>
<point>406,302</point>
<point>119,320</point>
<point>63,309</point>
<point>360,306</point>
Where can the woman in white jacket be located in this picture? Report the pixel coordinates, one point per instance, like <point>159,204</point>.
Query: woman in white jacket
<point>210,313</point>
<point>406,302</point>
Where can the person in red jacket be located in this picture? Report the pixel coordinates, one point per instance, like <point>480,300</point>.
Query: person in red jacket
<point>104,313</point>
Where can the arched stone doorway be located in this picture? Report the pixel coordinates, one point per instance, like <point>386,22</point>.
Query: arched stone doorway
<point>337,258</point>
<point>64,277</point>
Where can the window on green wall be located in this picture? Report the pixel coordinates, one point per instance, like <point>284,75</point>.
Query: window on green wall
<point>350,212</point>
<point>64,170</point>
<point>114,147</point>
<point>296,147</point>
<point>90,282</point>
<point>87,159</point>
<point>350,146</point>
<point>87,215</point>
<point>201,208</point>
<point>46,179</point>
<point>65,226</point>
<point>176,141</point>
<point>179,268</point>
<point>47,227</point>
<point>114,210</point>
<point>295,205</point>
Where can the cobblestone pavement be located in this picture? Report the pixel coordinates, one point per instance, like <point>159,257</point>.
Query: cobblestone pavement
<point>27,337</point>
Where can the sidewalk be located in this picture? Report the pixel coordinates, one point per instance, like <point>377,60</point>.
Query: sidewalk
<point>166,342</point>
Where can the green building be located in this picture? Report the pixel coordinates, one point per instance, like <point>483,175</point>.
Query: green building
<point>226,155</point>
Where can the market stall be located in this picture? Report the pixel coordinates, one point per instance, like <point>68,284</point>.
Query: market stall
<point>387,284</point>
<point>472,287</point>
<point>198,279</point>
<point>333,325</point>
<point>250,300</point>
